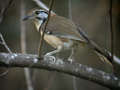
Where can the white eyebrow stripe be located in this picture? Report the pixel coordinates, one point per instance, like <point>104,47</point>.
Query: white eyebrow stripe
<point>43,15</point>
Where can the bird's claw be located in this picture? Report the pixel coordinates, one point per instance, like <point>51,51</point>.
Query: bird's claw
<point>49,57</point>
<point>70,60</point>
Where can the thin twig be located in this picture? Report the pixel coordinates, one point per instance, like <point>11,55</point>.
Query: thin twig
<point>42,36</point>
<point>111,31</point>
<point>94,46</point>
<point>2,39</point>
<point>23,47</point>
<point>4,73</point>
<point>74,69</point>
<point>42,5</point>
<point>4,44</point>
<point>5,9</point>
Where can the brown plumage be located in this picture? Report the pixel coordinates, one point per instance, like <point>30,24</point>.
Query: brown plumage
<point>60,26</point>
<point>60,30</point>
<point>63,27</point>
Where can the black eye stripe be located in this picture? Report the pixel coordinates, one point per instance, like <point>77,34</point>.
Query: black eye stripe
<point>38,18</point>
<point>38,12</point>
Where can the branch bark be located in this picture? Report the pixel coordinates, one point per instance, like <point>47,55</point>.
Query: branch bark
<point>75,69</point>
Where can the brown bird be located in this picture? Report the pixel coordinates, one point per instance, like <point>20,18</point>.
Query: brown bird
<point>61,33</point>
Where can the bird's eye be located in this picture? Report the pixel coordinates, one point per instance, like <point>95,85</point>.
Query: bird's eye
<point>48,32</point>
<point>37,12</point>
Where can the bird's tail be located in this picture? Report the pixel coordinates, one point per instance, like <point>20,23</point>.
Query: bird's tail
<point>102,53</point>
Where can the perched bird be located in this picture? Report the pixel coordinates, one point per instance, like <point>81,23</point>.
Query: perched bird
<point>61,33</point>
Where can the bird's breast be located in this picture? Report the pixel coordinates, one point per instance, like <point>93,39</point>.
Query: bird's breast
<point>56,41</point>
<point>53,40</point>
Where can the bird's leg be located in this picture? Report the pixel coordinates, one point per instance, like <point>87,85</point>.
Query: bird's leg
<point>70,58</point>
<point>59,48</point>
<point>49,54</point>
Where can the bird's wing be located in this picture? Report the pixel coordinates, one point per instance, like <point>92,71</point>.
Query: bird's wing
<point>63,27</point>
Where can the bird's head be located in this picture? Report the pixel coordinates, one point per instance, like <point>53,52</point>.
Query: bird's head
<point>40,15</point>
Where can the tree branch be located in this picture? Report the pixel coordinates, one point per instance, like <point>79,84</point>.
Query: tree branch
<point>75,69</point>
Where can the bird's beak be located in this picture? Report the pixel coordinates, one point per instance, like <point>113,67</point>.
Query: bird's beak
<point>28,17</point>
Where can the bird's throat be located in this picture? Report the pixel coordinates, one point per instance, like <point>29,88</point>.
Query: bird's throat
<point>38,23</point>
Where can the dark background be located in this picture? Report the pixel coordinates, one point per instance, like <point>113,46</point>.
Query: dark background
<point>92,15</point>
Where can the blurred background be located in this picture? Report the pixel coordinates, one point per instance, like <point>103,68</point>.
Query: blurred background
<point>93,17</point>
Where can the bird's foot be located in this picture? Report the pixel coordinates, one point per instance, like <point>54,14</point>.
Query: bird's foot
<point>48,56</point>
<point>70,60</point>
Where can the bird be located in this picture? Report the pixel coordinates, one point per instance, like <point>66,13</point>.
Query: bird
<point>61,33</point>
